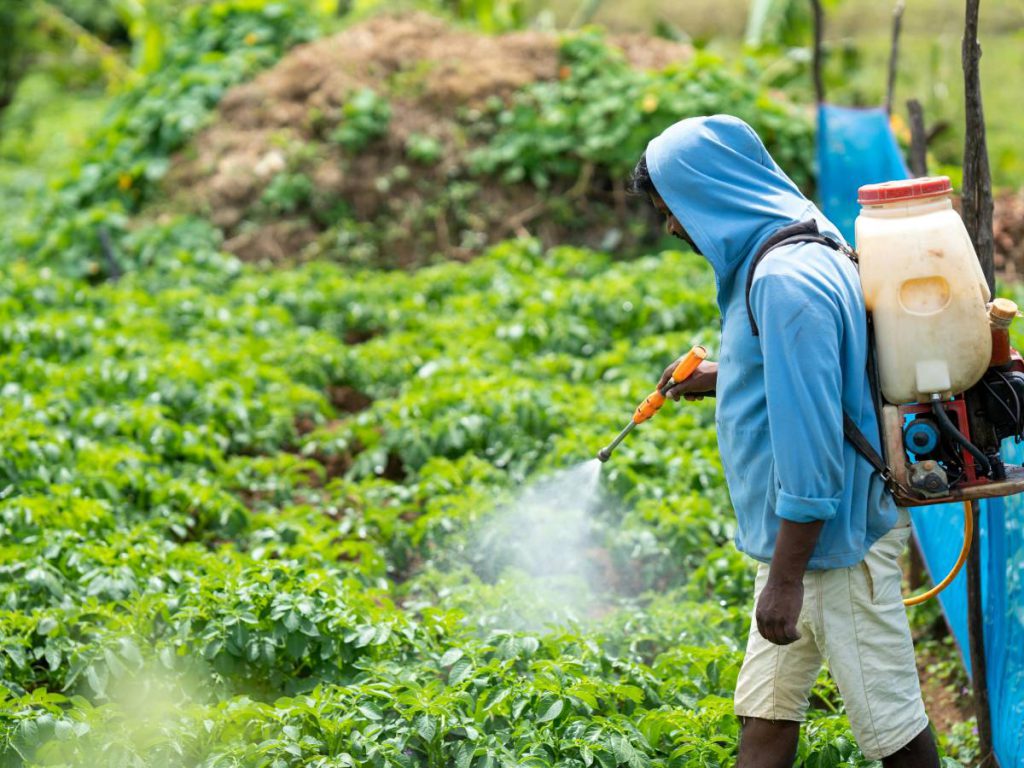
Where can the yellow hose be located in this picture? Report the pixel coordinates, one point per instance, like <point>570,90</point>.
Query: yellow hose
<point>968,537</point>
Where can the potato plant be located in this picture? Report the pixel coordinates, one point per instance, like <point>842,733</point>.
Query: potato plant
<point>210,559</point>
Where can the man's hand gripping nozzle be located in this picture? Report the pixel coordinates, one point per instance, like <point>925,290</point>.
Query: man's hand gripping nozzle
<point>653,402</point>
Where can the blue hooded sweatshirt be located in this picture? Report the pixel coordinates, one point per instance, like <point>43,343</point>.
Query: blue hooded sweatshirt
<point>780,395</point>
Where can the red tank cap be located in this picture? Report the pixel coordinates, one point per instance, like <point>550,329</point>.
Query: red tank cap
<point>905,189</point>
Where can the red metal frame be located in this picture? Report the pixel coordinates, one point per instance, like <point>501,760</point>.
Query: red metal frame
<point>957,407</point>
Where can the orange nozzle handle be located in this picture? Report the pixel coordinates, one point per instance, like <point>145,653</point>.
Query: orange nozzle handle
<point>653,402</point>
<point>688,365</point>
<point>648,407</point>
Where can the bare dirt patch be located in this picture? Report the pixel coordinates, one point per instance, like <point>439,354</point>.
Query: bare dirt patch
<point>1008,228</point>
<point>431,75</point>
<point>946,705</point>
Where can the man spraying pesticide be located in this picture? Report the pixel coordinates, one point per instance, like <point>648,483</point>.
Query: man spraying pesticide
<point>811,509</point>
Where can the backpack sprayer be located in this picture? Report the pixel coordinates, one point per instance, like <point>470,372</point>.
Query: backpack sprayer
<point>947,385</point>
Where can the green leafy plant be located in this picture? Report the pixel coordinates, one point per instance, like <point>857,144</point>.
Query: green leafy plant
<point>364,117</point>
<point>423,149</point>
<point>213,46</point>
<point>287,192</point>
<point>203,513</point>
<point>602,112</point>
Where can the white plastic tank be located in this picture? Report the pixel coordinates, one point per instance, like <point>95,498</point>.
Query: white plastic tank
<point>925,289</point>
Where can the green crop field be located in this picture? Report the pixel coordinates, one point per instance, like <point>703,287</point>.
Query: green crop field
<point>318,512</point>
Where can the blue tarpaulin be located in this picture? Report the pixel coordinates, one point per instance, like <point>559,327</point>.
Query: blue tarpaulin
<point>857,147</point>
<point>939,529</point>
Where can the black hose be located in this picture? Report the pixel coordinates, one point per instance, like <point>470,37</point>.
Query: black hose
<point>950,429</point>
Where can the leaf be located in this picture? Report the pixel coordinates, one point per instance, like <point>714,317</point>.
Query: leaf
<point>17,655</point>
<point>460,670</point>
<point>53,658</point>
<point>451,656</point>
<point>518,706</point>
<point>497,696</point>
<point>63,730</point>
<point>295,645</point>
<point>28,733</point>
<point>626,753</point>
<point>530,645</point>
<point>364,635</point>
<point>425,727</point>
<point>548,711</point>
<point>464,755</point>
<point>97,679</point>
<point>130,652</point>
<point>46,625</point>
<point>370,711</point>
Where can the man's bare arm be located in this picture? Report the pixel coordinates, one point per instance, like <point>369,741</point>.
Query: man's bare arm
<point>778,608</point>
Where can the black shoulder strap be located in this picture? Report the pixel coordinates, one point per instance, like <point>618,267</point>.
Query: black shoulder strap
<point>864,448</point>
<point>800,232</point>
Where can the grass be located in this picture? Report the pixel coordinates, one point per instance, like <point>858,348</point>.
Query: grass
<point>40,136</point>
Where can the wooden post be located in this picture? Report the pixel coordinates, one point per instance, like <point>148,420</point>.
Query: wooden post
<point>977,213</point>
<point>585,13</point>
<point>976,632</point>
<point>918,139</point>
<point>819,35</point>
<point>894,55</point>
<point>977,188</point>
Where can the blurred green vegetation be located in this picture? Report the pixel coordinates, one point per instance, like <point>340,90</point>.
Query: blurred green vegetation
<point>858,40</point>
<point>581,131</point>
<point>75,65</point>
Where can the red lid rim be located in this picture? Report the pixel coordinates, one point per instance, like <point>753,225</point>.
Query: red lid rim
<point>904,190</point>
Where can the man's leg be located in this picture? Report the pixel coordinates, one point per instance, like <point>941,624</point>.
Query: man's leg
<point>769,743</point>
<point>870,654</point>
<point>772,687</point>
<point>919,753</point>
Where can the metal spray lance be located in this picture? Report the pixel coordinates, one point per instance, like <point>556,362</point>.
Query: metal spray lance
<point>653,402</point>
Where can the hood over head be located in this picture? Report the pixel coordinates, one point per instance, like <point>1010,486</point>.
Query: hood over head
<point>718,179</point>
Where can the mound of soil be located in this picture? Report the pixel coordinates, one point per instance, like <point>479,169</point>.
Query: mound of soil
<point>1008,229</point>
<point>377,205</point>
<point>400,212</point>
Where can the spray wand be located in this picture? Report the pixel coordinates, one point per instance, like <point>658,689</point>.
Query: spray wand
<point>653,402</point>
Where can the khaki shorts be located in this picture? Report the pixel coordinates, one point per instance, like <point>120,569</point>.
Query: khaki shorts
<point>853,618</point>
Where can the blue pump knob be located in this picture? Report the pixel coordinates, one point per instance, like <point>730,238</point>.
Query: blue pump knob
<point>920,437</point>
